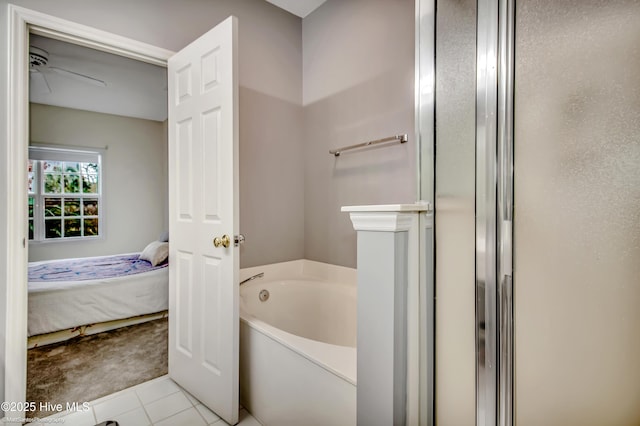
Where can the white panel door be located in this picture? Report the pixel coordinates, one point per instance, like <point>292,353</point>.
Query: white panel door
<point>203,205</point>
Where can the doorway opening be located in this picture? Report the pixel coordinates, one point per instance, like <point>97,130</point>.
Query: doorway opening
<point>24,22</point>
<point>97,196</point>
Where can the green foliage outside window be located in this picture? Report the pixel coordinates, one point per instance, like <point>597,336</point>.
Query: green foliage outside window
<point>52,183</point>
<point>69,213</point>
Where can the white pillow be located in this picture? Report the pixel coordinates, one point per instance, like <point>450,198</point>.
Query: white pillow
<point>155,253</point>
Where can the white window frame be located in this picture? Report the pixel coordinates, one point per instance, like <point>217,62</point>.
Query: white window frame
<point>69,154</point>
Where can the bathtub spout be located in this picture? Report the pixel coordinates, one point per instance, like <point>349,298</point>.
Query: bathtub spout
<point>260,275</point>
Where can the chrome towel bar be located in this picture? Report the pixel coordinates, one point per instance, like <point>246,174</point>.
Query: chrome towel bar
<point>396,138</point>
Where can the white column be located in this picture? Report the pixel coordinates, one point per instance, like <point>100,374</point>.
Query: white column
<point>388,313</point>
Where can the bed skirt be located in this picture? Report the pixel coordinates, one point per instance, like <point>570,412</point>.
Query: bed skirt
<point>89,329</point>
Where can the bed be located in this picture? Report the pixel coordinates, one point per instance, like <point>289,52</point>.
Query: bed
<point>71,293</point>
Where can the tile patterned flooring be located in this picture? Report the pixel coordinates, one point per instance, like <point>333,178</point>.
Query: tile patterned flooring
<point>159,402</point>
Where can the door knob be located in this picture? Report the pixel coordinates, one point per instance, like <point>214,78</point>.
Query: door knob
<point>224,241</point>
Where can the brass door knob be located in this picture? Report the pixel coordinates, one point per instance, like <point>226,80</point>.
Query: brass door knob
<point>225,241</point>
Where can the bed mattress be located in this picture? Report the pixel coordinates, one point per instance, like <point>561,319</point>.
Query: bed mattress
<point>63,303</point>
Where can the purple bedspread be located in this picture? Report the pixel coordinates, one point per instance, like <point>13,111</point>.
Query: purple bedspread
<point>90,268</point>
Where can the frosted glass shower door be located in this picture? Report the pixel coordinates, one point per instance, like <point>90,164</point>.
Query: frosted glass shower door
<point>577,212</point>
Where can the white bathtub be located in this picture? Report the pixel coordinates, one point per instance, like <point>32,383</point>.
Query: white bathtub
<point>297,349</point>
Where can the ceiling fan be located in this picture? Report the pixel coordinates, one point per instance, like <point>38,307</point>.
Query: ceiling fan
<point>38,68</point>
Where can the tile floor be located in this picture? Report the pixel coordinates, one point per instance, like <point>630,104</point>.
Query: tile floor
<point>159,402</point>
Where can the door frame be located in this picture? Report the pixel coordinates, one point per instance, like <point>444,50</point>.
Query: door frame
<point>494,212</point>
<point>21,22</point>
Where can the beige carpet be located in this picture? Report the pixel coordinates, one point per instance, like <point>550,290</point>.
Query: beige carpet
<point>86,368</point>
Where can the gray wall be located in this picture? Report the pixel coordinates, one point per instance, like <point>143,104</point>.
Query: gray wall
<point>271,179</point>
<point>134,177</point>
<point>455,207</point>
<point>358,65</point>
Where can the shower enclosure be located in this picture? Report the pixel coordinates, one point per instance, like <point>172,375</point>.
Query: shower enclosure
<point>537,200</point>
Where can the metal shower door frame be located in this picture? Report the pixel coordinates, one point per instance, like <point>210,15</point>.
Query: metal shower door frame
<point>494,212</point>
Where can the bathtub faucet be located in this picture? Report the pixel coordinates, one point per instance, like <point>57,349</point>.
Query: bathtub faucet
<point>260,275</point>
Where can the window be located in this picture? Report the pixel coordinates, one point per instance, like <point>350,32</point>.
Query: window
<point>65,197</point>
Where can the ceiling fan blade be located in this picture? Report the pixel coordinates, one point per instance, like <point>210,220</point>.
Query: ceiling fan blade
<point>79,77</point>
<point>39,82</point>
